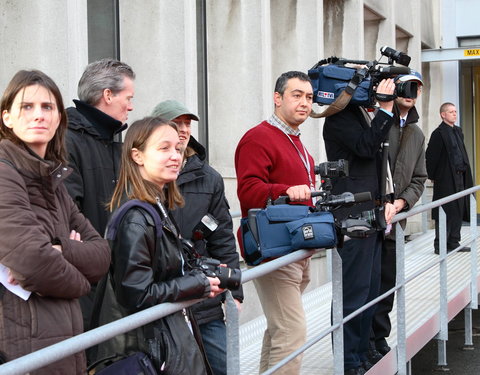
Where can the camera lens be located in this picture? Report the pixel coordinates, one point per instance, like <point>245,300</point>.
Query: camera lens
<point>230,278</point>
<point>406,89</point>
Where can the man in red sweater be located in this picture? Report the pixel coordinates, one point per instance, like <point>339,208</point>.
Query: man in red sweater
<point>271,161</point>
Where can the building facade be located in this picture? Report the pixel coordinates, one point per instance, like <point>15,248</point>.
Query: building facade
<point>221,57</point>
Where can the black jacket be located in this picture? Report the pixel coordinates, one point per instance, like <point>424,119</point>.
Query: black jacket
<point>441,169</point>
<point>348,136</point>
<point>139,283</point>
<point>95,158</point>
<point>203,190</point>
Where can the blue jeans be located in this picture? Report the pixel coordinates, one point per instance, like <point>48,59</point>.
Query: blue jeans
<point>214,337</point>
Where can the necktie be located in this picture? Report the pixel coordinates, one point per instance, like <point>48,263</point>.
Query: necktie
<point>402,122</point>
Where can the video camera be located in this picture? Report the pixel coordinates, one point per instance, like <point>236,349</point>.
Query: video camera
<point>355,226</point>
<point>359,78</point>
<point>282,227</point>
<point>230,278</point>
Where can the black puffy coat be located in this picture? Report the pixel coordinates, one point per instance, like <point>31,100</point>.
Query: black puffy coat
<point>139,284</point>
<point>203,190</point>
<point>95,158</point>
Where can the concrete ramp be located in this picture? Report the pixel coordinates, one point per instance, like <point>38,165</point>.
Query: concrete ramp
<point>422,312</point>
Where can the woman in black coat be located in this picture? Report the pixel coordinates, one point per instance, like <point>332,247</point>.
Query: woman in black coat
<point>148,270</point>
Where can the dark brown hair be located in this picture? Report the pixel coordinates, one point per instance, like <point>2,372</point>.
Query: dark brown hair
<point>130,182</point>
<point>21,80</point>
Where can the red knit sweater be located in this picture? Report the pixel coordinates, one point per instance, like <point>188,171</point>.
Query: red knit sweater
<point>267,164</point>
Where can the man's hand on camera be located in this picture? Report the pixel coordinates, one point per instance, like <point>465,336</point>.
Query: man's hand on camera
<point>299,193</point>
<point>390,212</point>
<point>387,87</point>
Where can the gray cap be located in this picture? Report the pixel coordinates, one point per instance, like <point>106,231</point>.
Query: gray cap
<point>171,109</point>
<point>413,76</point>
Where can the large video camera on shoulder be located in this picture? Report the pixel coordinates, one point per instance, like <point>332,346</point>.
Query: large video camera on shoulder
<point>332,76</point>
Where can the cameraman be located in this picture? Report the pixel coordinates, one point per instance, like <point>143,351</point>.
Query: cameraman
<point>203,189</point>
<point>352,134</point>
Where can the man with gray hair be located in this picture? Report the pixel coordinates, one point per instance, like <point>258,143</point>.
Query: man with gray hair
<point>105,93</point>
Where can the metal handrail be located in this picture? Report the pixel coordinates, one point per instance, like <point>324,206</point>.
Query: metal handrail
<point>93,337</point>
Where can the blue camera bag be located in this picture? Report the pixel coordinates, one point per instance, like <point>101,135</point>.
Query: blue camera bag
<point>281,229</point>
<point>329,81</point>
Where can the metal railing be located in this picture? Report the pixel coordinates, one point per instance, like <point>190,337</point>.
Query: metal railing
<point>93,337</point>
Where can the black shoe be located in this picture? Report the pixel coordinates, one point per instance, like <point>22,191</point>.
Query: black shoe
<point>465,249</point>
<point>383,349</point>
<point>374,356</point>
<point>367,365</point>
<point>355,371</point>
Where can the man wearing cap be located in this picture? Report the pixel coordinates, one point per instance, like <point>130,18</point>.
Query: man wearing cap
<point>449,169</point>
<point>203,189</point>
<point>407,165</point>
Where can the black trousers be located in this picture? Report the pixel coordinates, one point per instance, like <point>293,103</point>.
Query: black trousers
<point>361,283</point>
<point>454,212</point>
<point>381,325</point>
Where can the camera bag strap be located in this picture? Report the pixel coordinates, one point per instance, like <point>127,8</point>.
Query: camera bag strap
<point>345,96</point>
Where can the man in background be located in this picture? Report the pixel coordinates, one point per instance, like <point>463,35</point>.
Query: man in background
<point>449,169</point>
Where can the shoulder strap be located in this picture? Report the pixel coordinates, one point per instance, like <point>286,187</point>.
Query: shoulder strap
<point>117,217</point>
<point>110,234</point>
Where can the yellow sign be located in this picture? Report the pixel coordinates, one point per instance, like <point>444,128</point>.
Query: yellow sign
<point>471,52</point>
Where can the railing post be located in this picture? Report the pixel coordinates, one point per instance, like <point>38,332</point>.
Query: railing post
<point>328,253</point>
<point>233,335</point>
<point>442,335</point>
<point>424,213</point>
<point>337,312</point>
<point>473,253</point>
<point>473,271</point>
<point>401,308</point>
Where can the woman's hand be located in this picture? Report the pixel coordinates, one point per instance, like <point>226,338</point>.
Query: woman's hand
<point>11,279</point>
<point>215,290</point>
<point>75,236</point>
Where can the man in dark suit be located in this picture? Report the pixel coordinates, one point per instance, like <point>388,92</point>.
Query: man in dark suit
<point>449,169</point>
